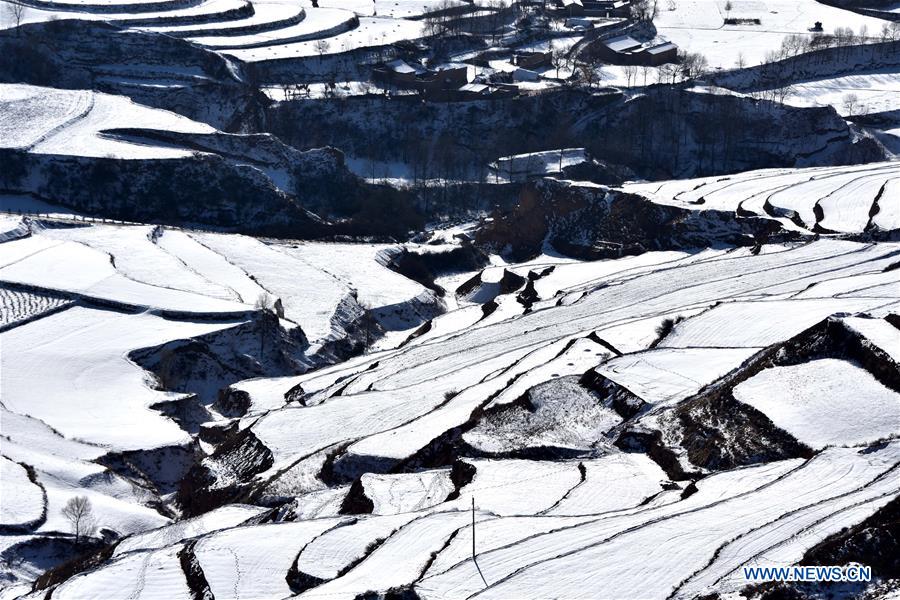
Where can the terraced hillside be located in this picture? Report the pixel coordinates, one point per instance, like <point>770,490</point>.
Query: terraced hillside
<point>448,299</point>
<point>823,200</point>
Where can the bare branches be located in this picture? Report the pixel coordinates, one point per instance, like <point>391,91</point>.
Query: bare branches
<point>79,513</point>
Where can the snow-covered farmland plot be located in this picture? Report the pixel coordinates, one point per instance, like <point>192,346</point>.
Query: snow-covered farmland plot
<point>20,305</point>
<point>92,392</point>
<point>699,26</point>
<point>812,402</point>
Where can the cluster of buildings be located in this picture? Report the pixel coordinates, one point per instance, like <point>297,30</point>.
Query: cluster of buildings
<point>590,8</point>
<point>625,50</point>
<point>449,81</point>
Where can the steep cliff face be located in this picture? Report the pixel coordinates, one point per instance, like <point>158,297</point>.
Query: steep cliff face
<point>593,222</point>
<point>685,133</point>
<point>205,189</point>
<point>665,132</point>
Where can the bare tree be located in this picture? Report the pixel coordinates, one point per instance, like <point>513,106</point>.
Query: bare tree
<point>79,513</point>
<point>741,62</point>
<point>851,104</point>
<point>644,10</point>
<point>268,319</point>
<point>321,47</point>
<point>558,57</point>
<point>588,74</point>
<point>693,64</point>
<point>16,13</point>
<point>630,74</point>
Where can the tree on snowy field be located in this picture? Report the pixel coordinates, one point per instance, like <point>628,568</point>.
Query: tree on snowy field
<point>321,47</point>
<point>268,319</point>
<point>851,104</point>
<point>16,12</point>
<point>79,513</point>
<point>630,74</point>
<point>558,57</point>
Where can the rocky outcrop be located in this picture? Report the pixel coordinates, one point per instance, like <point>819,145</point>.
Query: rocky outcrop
<point>596,222</point>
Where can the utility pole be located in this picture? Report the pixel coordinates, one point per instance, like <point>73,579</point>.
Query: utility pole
<point>474,561</point>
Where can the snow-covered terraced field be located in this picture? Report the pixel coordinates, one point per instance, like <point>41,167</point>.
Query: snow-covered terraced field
<point>318,24</point>
<point>371,31</point>
<point>811,401</point>
<point>206,273</point>
<point>266,16</point>
<point>827,199</point>
<point>19,305</point>
<point>398,9</point>
<point>74,122</point>
<point>106,393</point>
<point>560,501</point>
<point>394,403</point>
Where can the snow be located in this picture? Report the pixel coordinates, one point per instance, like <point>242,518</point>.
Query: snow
<point>66,468</point>
<point>253,562</point>
<point>141,576</point>
<point>93,392</point>
<point>762,323</point>
<point>654,558</point>
<point>811,402</point>
<point>382,570</point>
<point>18,305</point>
<point>67,266</point>
<point>372,31</point>
<point>613,482</point>
<point>402,493</point>
<point>225,517</point>
<point>698,26</point>
<point>77,122</point>
<point>398,9</point>
<point>265,15</point>
<point>318,24</point>
<point>667,375</point>
<point>844,194</point>
<point>21,501</point>
<point>875,91</point>
<point>878,332</point>
<point>283,276</point>
<point>522,166</point>
<point>335,550</point>
<point>517,487</point>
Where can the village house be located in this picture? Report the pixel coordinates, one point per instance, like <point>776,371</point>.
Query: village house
<point>591,8</point>
<point>625,50</point>
<point>531,60</point>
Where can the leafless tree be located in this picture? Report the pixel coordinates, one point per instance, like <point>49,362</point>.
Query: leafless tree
<point>321,47</point>
<point>851,104</point>
<point>268,319</point>
<point>644,10</point>
<point>741,62</point>
<point>588,74</point>
<point>630,74</point>
<point>558,58</point>
<point>16,12</point>
<point>693,64</point>
<point>79,513</point>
